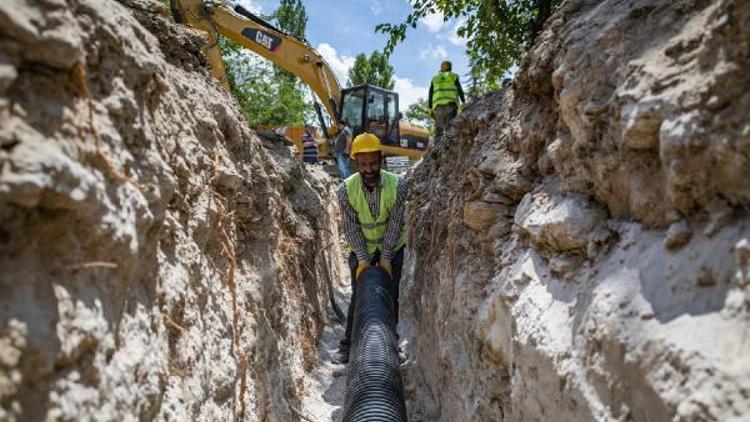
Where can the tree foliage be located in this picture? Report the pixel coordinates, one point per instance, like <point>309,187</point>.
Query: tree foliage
<point>419,113</point>
<point>290,17</point>
<point>267,94</point>
<point>266,98</point>
<point>375,70</point>
<point>498,31</point>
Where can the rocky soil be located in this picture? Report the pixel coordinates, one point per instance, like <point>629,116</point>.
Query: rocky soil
<point>580,250</point>
<point>157,259</point>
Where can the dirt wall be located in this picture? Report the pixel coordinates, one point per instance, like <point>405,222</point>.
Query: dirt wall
<point>580,249</point>
<point>157,259</point>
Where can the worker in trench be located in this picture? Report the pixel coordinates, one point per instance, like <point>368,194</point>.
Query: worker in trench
<point>372,208</point>
<point>442,99</point>
<point>343,149</point>
<point>309,145</point>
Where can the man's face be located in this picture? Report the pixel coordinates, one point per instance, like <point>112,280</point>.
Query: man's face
<point>368,164</point>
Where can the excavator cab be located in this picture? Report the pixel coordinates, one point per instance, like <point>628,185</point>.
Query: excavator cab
<point>367,108</point>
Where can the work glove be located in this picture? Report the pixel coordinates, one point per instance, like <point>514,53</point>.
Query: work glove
<point>361,267</point>
<point>386,266</point>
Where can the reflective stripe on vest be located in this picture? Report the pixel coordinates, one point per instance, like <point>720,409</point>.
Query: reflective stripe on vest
<point>444,89</point>
<point>374,229</point>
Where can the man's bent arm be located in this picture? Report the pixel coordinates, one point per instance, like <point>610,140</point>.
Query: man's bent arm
<point>395,222</point>
<point>429,98</point>
<point>460,91</point>
<point>352,229</point>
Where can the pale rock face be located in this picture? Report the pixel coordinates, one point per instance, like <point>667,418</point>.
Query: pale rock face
<point>560,223</point>
<point>154,252</point>
<point>8,74</point>
<point>621,291</point>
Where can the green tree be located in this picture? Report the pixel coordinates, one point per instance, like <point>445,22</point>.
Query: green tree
<point>498,31</point>
<point>265,98</point>
<point>268,95</point>
<point>291,17</point>
<point>476,83</point>
<point>375,70</point>
<point>419,113</point>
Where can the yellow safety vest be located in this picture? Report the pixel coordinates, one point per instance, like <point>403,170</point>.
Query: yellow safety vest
<point>444,90</point>
<point>374,229</point>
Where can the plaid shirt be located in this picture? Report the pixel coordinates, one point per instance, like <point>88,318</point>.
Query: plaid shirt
<point>353,230</point>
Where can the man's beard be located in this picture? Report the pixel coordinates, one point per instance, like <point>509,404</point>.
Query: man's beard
<point>372,178</point>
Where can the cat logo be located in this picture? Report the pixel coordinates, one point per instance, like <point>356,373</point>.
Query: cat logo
<point>265,39</point>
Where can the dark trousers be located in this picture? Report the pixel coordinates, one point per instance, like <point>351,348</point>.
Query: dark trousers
<point>397,263</point>
<point>443,116</point>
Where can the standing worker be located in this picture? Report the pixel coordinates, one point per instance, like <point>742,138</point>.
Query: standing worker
<point>445,90</point>
<point>372,209</point>
<point>343,148</point>
<point>309,146</point>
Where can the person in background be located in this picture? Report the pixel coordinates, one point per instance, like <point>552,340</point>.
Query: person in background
<point>309,145</point>
<point>445,90</point>
<point>343,147</point>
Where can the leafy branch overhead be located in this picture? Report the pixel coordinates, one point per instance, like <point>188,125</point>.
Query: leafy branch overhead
<point>498,31</point>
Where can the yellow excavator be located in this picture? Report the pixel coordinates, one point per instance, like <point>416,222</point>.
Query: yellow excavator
<point>365,108</point>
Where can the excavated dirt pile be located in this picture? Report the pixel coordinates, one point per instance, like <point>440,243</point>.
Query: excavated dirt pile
<point>157,259</point>
<point>580,250</point>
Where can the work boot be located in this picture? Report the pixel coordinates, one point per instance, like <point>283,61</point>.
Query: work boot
<point>341,357</point>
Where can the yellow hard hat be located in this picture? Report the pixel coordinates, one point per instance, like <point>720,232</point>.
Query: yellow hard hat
<point>366,142</point>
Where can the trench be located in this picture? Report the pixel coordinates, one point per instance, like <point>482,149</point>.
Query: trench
<point>335,391</point>
<point>579,250</point>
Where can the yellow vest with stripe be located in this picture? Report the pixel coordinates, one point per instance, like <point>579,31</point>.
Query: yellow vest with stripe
<point>374,229</point>
<point>444,90</point>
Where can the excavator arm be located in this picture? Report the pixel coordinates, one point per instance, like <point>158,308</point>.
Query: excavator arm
<point>300,59</point>
<point>259,36</point>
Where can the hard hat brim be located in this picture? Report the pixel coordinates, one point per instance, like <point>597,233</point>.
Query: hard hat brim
<point>365,142</point>
<point>365,150</point>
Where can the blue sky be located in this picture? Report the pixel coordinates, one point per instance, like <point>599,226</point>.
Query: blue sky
<point>340,30</point>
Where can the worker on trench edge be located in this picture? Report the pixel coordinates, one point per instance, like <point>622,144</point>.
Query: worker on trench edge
<point>442,100</point>
<point>372,205</point>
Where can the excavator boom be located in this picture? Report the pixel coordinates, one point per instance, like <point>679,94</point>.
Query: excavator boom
<point>250,31</point>
<point>365,107</point>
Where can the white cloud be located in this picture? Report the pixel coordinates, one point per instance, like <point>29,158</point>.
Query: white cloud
<point>340,63</point>
<point>444,31</point>
<point>408,93</point>
<point>376,7</point>
<point>434,52</point>
<point>453,36</point>
<point>250,5</point>
<point>433,22</point>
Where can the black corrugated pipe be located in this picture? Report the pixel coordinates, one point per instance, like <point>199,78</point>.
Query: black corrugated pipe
<point>374,391</point>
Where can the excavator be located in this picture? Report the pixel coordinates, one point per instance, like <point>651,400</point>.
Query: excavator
<point>365,108</point>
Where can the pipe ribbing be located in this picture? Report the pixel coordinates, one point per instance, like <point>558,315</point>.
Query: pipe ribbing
<point>374,391</point>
